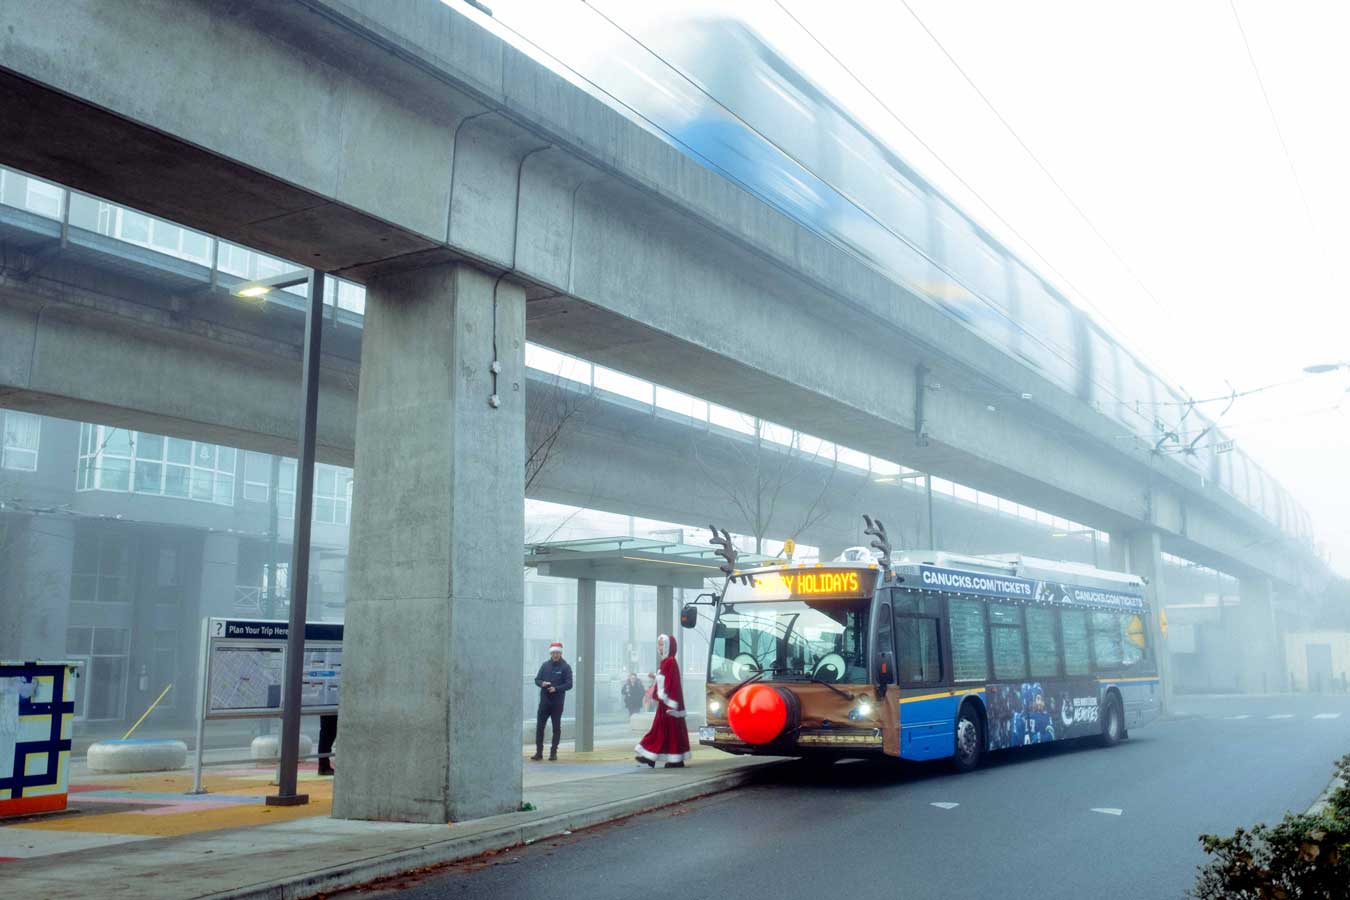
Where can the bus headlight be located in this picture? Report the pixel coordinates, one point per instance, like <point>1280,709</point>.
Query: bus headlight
<point>714,705</point>
<point>862,711</point>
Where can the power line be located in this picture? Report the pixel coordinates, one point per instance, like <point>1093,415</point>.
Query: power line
<point>1275,123</point>
<point>1037,160</point>
<point>1081,294</point>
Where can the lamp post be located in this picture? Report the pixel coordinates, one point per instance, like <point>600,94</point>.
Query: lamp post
<point>298,576</point>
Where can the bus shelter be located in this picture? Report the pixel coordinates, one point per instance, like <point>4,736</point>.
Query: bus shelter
<point>663,564</point>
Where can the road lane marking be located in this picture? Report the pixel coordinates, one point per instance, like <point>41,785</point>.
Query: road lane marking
<point>945,805</point>
<point>1108,810</point>
<point>1237,717</point>
<point>1281,716</point>
<point>1327,716</point>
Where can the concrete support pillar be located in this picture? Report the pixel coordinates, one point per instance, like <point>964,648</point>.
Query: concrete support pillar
<point>431,709</point>
<point>584,676</point>
<point>220,574</point>
<point>35,566</point>
<point>1258,637</point>
<point>665,614</point>
<point>1117,555</point>
<point>1144,558</point>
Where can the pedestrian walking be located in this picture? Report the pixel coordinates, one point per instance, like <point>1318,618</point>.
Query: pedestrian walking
<point>327,737</point>
<point>649,696</point>
<point>668,739</point>
<point>632,693</point>
<point>554,681</point>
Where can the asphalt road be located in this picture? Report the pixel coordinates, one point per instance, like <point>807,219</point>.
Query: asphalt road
<point>1069,820</point>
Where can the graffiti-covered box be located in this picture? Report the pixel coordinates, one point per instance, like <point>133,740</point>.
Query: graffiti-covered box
<point>37,706</point>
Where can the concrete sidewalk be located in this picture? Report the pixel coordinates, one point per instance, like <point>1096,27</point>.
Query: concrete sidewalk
<point>311,854</point>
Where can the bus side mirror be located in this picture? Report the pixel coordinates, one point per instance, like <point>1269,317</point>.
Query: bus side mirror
<point>885,668</point>
<point>689,616</point>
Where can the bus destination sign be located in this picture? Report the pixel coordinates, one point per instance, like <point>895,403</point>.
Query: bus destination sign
<point>803,583</point>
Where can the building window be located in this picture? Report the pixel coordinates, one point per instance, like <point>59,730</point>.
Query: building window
<point>101,568</point>
<point>19,449</point>
<point>257,476</point>
<point>115,459</point>
<point>103,688</point>
<point>332,492</point>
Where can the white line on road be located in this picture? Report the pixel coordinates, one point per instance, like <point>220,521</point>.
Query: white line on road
<point>1237,717</point>
<point>1108,810</point>
<point>1281,716</point>
<point>1327,716</point>
<point>945,805</point>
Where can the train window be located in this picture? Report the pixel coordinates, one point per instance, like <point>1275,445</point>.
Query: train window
<point>1049,321</point>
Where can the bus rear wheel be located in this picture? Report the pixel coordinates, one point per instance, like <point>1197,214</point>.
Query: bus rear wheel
<point>1113,722</point>
<point>969,740</point>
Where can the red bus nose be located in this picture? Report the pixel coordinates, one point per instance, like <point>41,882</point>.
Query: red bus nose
<point>757,714</point>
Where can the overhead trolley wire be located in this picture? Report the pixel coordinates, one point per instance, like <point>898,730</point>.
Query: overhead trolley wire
<point>1036,159</point>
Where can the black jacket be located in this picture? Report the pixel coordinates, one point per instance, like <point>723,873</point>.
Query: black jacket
<point>559,674</point>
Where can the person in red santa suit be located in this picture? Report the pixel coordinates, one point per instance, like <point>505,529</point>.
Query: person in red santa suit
<point>668,739</point>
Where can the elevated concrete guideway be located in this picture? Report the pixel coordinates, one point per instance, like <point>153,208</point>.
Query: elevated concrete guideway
<point>407,136</point>
<point>472,190</point>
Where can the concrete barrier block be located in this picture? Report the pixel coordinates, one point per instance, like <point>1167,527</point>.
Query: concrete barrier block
<point>266,748</point>
<point>148,755</point>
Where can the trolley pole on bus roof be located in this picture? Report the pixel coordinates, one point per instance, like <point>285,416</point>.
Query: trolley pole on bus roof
<point>299,573</point>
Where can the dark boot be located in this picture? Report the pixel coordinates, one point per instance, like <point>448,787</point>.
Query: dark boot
<point>644,761</point>
<point>553,755</point>
<point>675,765</point>
<point>538,754</point>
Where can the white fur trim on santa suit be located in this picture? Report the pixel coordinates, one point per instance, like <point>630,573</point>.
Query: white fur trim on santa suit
<point>661,693</point>
<point>662,757</point>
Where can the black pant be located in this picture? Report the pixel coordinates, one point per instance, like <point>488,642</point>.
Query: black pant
<point>550,707</point>
<point>327,734</point>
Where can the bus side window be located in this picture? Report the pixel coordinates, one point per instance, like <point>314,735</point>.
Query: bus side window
<point>918,657</point>
<point>1073,630</point>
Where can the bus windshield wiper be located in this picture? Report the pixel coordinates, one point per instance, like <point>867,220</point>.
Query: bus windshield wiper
<point>755,677</point>
<point>818,680</point>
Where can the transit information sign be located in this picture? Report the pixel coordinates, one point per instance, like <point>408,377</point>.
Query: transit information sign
<point>246,665</point>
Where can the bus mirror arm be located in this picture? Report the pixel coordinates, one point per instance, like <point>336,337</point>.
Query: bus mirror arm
<point>885,671</point>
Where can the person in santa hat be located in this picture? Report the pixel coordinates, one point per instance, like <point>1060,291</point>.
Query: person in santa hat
<point>554,681</point>
<point>668,739</point>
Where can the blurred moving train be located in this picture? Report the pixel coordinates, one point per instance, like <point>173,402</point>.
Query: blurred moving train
<point>725,94</point>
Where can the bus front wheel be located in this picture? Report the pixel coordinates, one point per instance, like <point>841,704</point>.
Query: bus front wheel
<point>969,739</point>
<point>1113,721</point>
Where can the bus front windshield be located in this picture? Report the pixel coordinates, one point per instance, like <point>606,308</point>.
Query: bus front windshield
<point>791,640</point>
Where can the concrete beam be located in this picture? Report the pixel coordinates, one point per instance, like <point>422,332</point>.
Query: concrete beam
<point>641,250</point>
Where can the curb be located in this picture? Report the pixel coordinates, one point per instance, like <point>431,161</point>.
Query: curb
<point>1319,806</point>
<point>310,884</point>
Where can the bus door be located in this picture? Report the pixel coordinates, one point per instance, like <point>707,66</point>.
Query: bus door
<point>926,707</point>
<point>888,712</point>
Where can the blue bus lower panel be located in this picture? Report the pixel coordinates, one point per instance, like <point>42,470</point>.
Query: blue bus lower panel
<point>1019,714</point>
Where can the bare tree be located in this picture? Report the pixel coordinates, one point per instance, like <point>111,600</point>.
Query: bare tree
<point>763,476</point>
<point>559,404</point>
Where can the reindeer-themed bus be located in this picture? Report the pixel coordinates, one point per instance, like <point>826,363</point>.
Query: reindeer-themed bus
<point>924,655</point>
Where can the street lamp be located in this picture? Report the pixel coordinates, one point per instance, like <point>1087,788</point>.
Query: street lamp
<point>1077,533</point>
<point>298,573</point>
<point>259,288</point>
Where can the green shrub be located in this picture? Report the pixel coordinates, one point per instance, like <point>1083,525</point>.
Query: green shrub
<point>1301,858</point>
